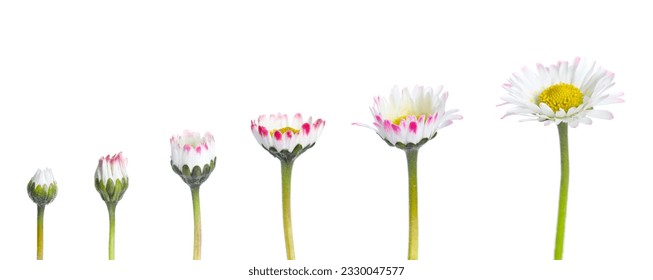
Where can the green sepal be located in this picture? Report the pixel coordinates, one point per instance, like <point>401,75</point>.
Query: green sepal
<point>410,146</point>
<point>196,176</point>
<point>111,189</point>
<point>117,191</point>
<point>39,195</point>
<point>288,156</point>
<point>112,192</point>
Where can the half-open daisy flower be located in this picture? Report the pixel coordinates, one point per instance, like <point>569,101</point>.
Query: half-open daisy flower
<point>192,157</point>
<point>286,141</point>
<point>564,92</point>
<point>411,118</point>
<point>283,139</point>
<point>407,120</point>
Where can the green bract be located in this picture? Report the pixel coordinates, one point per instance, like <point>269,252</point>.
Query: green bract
<point>409,146</point>
<point>112,192</point>
<point>287,156</point>
<point>196,176</point>
<point>42,194</point>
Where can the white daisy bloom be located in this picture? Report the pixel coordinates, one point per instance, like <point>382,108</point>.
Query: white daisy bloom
<point>191,149</point>
<point>286,139</point>
<point>192,156</point>
<point>564,92</point>
<point>408,118</point>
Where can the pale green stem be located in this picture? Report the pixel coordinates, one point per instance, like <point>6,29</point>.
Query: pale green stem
<point>39,231</point>
<point>564,188</point>
<point>286,172</point>
<point>197,243</point>
<point>413,228</point>
<point>112,229</point>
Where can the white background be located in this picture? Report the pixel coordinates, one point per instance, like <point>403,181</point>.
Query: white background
<point>81,79</point>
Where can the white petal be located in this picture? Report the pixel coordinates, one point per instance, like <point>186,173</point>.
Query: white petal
<point>601,114</point>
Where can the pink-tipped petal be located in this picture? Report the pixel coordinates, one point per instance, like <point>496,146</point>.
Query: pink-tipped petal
<point>396,129</point>
<point>263,131</point>
<point>277,135</point>
<point>387,126</point>
<point>306,128</point>
<point>412,127</point>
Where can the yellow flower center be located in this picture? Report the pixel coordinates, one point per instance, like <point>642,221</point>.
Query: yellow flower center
<point>561,96</point>
<point>398,120</point>
<point>284,130</point>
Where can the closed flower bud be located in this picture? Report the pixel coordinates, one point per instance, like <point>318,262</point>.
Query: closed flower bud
<point>42,188</point>
<point>111,179</point>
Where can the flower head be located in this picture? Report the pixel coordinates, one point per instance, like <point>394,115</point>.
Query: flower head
<point>42,188</point>
<point>564,92</point>
<point>283,139</point>
<point>408,119</point>
<point>111,179</point>
<point>192,156</point>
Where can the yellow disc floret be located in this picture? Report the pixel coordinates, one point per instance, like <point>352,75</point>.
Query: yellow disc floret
<point>284,130</point>
<point>561,96</point>
<point>398,120</point>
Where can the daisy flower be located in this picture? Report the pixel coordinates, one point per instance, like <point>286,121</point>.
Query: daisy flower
<point>407,120</point>
<point>566,94</point>
<point>192,157</point>
<point>42,189</point>
<point>286,140</point>
<point>111,182</point>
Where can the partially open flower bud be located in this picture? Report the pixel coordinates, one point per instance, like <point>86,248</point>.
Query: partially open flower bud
<point>111,179</point>
<point>192,157</point>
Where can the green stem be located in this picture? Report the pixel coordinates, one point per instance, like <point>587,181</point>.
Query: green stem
<point>564,188</point>
<point>413,228</point>
<point>39,231</point>
<point>286,172</point>
<point>112,229</point>
<point>197,243</point>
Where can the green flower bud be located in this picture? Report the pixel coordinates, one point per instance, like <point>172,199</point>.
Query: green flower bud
<point>42,188</point>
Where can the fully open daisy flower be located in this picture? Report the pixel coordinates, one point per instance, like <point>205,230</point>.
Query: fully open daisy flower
<point>564,92</point>
<point>283,139</point>
<point>411,118</point>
